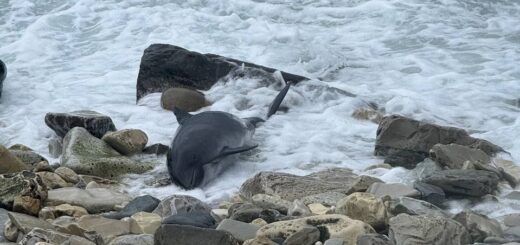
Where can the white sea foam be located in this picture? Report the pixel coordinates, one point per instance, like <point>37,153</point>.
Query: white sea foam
<point>452,62</point>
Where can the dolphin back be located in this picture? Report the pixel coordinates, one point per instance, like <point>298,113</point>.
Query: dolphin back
<point>278,100</point>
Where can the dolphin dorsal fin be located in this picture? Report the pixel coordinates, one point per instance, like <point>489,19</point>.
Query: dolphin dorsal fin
<point>181,115</point>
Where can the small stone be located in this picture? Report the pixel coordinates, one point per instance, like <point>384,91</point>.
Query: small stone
<point>365,207</point>
<point>10,163</point>
<point>43,166</point>
<point>259,222</point>
<point>318,208</point>
<point>27,205</point>
<point>305,236</point>
<point>67,174</point>
<point>52,180</point>
<point>271,202</point>
<point>10,231</point>
<point>144,223</point>
<point>298,208</point>
<point>127,141</point>
<point>55,147</point>
<point>240,230</point>
<point>185,99</point>
<point>394,190</point>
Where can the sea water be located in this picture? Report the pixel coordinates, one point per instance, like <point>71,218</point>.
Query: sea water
<point>450,62</point>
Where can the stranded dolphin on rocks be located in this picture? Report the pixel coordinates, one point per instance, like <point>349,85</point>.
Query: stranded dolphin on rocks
<point>205,143</point>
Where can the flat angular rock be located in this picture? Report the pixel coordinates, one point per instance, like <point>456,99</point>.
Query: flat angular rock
<point>406,142</point>
<point>93,200</point>
<point>430,193</point>
<point>9,163</point>
<point>189,235</point>
<point>510,168</point>
<point>143,239</point>
<point>474,183</point>
<point>394,190</point>
<point>510,220</point>
<point>86,154</point>
<point>196,219</point>
<point>332,226</point>
<point>144,203</point>
<point>52,180</point>
<point>25,223</point>
<point>454,156</point>
<point>240,230</point>
<point>419,229</point>
<point>306,236</point>
<point>290,187</point>
<point>27,205</point>
<point>108,229</point>
<point>144,223</point>
<point>127,141</point>
<point>479,226</point>
<point>365,207</point>
<point>413,206</point>
<point>95,123</point>
<point>166,66</point>
<point>21,184</point>
<point>180,204</point>
<point>39,236</point>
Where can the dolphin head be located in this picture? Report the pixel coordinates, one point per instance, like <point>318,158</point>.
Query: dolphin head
<point>185,170</point>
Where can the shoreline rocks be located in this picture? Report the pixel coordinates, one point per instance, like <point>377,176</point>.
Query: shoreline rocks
<point>94,122</point>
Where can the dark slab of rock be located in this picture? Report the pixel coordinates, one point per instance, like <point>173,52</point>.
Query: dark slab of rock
<point>430,193</point>
<point>197,219</point>
<point>406,142</point>
<point>145,203</point>
<point>96,123</point>
<point>290,187</point>
<point>479,226</point>
<point>454,156</point>
<point>166,66</point>
<point>157,149</point>
<point>412,206</point>
<point>3,74</point>
<point>188,235</point>
<point>247,212</point>
<point>474,183</point>
<point>21,184</point>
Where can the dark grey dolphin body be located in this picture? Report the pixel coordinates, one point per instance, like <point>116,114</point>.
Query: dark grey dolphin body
<point>3,74</point>
<point>206,143</point>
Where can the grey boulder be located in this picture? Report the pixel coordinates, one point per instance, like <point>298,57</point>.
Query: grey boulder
<point>475,183</point>
<point>454,156</point>
<point>96,200</point>
<point>94,122</point>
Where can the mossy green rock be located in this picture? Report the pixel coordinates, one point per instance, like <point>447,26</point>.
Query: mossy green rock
<point>86,154</point>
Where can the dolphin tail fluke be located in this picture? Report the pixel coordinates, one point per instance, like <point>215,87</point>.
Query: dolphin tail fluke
<point>181,115</point>
<point>278,100</point>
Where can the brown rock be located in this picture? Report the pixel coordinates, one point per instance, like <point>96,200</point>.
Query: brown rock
<point>365,207</point>
<point>182,98</point>
<point>27,205</point>
<point>10,163</point>
<point>127,141</point>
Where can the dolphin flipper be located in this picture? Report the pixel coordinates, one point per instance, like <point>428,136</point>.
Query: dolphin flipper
<point>229,151</point>
<point>181,115</point>
<point>278,100</point>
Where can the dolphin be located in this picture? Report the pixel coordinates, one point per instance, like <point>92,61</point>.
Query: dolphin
<point>207,143</point>
<point>3,74</point>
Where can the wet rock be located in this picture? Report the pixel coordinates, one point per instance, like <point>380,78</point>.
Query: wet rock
<point>495,240</point>
<point>144,223</point>
<point>376,166</point>
<point>38,235</point>
<point>247,212</point>
<point>144,203</point>
<point>430,193</point>
<point>62,210</point>
<point>177,204</point>
<point>188,235</point>
<point>3,220</point>
<point>20,184</point>
<point>454,156</point>
<point>143,239</point>
<point>509,168</point>
<point>67,174</point>
<point>86,154</point>
<point>365,207</point>
<point>240,230</point>
<point>419,229</point>
<point>298,208</point>
<point>413,206</point>
<point>305,236</point>
<point>290,187</point>
<point>199,219</point>
<point>373,239</point>
<point>55,147</point>
<point>93,200</point>
<point>166,66</point>
<point>479,226</point>
<point>25,223</point>
<point>318,208</point>
<point>393,190</point>
<point>406,142</point>
<point>331,226</point>
<point>185,99</point>
<point>106,228</point>
<point>10,163</point>
<point>29,158</point>
<point>157,149</point>
<point>219,214</point>
<point>52,180</point>
<point>27,205</point>
<point>513,233</point>
<point>42,166</point>
<point>512,220</point>
<point>271,202</point>
<point>474,183</point>
<point>10,231</point>
<point>95,123</point>
<point>368,114</point>
<point>127,141</point>
<point>326,198</point>
<point>20,147</point>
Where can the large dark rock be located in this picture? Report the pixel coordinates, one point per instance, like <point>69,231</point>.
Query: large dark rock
<point>3,74</point>
<point>474,183</point>
<point>166,66</point>
<point>188,235</point>
<point>430,193</point>
<point>145,203</point>
<point>197,219</point>
<point>406,142</point>
<point>96,123</point>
